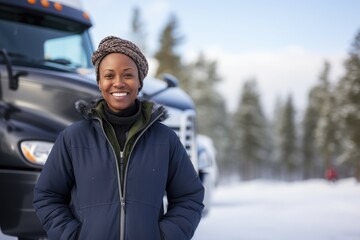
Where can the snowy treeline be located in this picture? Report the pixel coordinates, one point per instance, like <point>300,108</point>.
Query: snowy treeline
<point>284,146</point>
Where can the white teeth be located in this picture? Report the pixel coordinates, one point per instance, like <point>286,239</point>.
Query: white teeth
<point>119,94</point>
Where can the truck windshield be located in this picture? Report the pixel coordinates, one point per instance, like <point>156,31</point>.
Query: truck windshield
<point>45,42</point>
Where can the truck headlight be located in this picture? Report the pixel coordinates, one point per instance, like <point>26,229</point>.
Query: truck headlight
<point>36,151</point>
<point>203,160</point>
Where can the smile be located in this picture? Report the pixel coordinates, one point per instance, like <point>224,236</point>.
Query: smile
<point>117,94</point>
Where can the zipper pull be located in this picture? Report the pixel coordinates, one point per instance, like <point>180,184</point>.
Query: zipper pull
<point>122,202</point>
<point>121,157</point>
<point>121,166</point>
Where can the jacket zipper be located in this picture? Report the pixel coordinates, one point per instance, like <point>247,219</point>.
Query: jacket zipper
<point>122,223</point>
<point>122,209</point>
<point>121,164</point>
<point>122,194</point>
<point>122,198</point>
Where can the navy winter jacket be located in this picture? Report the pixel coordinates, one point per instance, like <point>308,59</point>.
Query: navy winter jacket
<point>78,194</point>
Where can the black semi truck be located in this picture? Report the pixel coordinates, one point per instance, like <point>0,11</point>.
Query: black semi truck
<point>45,52</point>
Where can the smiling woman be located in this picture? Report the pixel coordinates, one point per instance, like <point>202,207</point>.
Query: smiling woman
<point>109,172</point>
<point>119,81</point>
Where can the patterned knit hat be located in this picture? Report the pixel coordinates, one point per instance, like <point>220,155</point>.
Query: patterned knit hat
<point>113,44</point>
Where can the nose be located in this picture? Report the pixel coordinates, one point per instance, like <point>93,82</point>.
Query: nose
<point>118,82</point>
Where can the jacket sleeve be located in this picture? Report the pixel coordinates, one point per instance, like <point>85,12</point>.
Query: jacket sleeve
<point>185,194</point>
<point>52,194</point>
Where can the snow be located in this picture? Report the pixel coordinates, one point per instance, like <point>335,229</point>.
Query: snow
<point>266,210</point>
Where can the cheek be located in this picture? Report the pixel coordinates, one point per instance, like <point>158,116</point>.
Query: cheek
<point>102,84</point>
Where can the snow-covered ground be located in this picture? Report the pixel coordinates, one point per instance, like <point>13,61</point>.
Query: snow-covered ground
<point>265,210</point>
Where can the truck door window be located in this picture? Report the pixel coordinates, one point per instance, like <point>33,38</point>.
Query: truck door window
<point>65,50</point>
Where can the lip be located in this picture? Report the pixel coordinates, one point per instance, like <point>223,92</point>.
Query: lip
<point>119,94</point>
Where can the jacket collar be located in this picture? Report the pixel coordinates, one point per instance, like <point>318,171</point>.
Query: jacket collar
<point>93,108</point>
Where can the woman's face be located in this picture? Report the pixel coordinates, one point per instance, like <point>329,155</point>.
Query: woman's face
<point>119,81</point>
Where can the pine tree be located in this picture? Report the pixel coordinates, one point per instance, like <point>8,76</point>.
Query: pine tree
<point>138,34</point>
<point>169,61</point>
<point>211,111</point>
<point>317,97</point>
<point>275,137</point>
<point>249,131</point>
<point>349,107</point>
<point>287,138</point>
<point>309,123</point>
<point>326,130</point>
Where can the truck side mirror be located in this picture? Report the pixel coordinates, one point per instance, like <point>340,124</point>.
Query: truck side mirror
<point>170,80</point>
<point>13,79</point>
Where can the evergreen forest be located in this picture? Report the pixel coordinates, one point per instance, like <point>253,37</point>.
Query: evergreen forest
<point>285,146</point>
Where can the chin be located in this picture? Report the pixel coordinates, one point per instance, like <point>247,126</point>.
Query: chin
<point>119,108</point>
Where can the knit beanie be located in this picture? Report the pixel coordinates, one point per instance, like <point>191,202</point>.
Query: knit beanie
<point>113,44</point>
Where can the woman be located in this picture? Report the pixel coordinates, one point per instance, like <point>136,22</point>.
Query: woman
<point>106,175</point>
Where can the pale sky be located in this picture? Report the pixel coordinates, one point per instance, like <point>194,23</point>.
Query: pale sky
<point>281,43</point>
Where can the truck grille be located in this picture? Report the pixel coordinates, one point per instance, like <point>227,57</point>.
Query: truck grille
<point>183,123</point>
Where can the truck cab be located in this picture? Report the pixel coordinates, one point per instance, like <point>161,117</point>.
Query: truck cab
<point>45,52</point>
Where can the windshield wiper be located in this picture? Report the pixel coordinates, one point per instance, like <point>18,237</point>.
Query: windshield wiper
<point>61,61</point>
<point>17,55</point>
<point>54,64</point>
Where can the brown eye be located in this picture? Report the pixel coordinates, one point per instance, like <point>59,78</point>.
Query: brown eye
<point>128,75</point>
<point>108,76</point>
